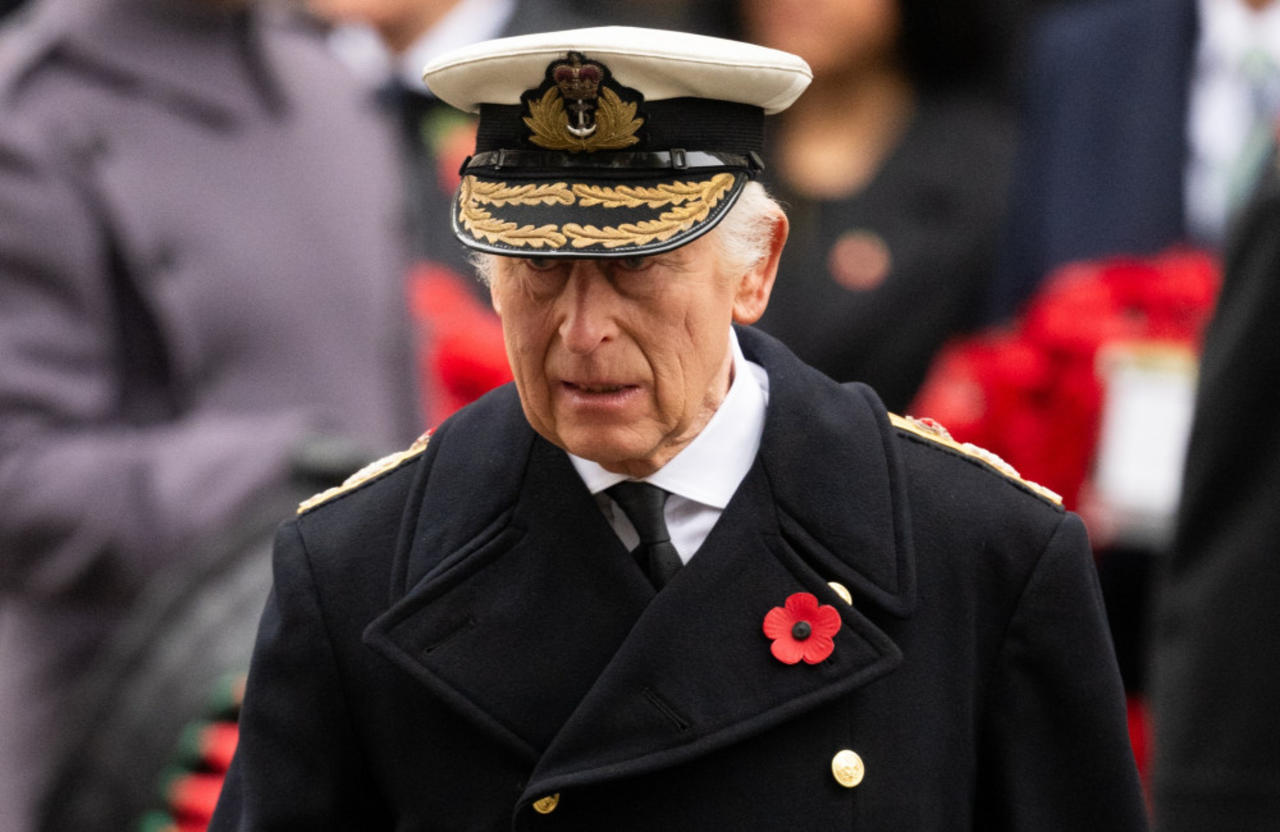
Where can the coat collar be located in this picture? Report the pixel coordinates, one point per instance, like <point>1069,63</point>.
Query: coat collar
<point>846,506</point>
<point>537,625</point>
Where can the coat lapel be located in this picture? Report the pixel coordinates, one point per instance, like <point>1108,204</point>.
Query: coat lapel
<point>832,462</point>
<point>540,628</point>
<point>513,627</point>
<point>663,699</point>
<point>790,528</point>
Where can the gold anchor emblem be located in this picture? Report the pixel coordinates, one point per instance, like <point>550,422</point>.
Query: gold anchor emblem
<point>579,83</point>
<point>578,111</point>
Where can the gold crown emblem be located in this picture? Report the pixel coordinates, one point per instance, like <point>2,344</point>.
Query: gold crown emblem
<point>577,110</point>
<point>578,79</point>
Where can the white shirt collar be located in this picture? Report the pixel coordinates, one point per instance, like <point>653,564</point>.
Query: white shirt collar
<point>710,468</point>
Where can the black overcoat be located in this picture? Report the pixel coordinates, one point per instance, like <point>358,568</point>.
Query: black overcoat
<point>457,639</point>
<point>1216,657</point>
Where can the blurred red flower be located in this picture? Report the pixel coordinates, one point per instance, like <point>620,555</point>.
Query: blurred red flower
<point>461,354</point>
<point>1031,392</point>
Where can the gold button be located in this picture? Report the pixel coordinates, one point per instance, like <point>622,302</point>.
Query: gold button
<point>842,591</point>
<point>547,805</point>
<point>847,768</point>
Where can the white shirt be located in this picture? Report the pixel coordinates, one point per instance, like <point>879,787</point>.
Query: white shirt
<point>1235,44</point>
<point>703,477</point>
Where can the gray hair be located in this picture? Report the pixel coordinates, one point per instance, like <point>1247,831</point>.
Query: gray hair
<point>743,236</point>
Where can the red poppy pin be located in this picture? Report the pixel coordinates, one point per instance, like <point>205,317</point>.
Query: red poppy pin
<point>802,629</point>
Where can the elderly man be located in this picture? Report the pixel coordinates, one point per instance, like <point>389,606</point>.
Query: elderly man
<point>672,578</point>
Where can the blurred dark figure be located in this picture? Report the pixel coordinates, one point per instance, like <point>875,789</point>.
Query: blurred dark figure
<point>894,167</point>
<point>1216,671</point>
<point>201,263</point>
<point>1144,122</point>
<point>708,17</point>
<point>388,42</point>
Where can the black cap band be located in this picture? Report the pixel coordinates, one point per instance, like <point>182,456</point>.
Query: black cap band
<point>723,126</point>
<point>512,162</point>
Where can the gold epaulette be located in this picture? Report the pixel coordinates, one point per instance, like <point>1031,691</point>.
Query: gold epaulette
<point>935,432</point>
<point>374,469</point>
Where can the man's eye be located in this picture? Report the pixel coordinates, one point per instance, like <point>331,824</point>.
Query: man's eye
<point>540,264</point>
<point>633,263</point>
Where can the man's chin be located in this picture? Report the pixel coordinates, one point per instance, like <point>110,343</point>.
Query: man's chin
<point>611,452</point>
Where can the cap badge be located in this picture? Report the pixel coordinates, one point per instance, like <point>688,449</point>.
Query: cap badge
<point>579,108</point>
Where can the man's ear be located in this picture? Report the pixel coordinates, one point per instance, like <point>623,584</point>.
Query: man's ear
<point>755,286</point>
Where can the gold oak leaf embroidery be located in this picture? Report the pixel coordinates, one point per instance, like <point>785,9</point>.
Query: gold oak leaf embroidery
<point>500,193</point>
<point>631,196</point>
<point>692,203</point>
<point>616,123</point>
<point>484,225</point>
<point>694,209</point>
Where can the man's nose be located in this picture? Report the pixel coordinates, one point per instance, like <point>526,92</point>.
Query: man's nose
<point>588,318</point>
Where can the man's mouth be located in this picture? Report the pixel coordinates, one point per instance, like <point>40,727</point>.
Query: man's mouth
<point>605,387</point>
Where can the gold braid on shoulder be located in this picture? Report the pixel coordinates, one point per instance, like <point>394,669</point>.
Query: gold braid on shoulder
<point>934,432</point>
<point>369,472</point>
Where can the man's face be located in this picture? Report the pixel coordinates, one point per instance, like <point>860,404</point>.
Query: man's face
<point>623,361</point>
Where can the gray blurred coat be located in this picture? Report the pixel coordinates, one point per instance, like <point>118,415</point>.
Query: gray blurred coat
<point>200,262</point>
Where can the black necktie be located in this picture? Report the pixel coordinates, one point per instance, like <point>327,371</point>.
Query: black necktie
<point>643,504</point>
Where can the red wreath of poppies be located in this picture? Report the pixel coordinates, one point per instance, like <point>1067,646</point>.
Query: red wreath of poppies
<point>802,629</point>
<point>1031,392</point>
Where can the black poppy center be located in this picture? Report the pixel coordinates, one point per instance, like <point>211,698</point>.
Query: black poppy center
<point>801,630</point>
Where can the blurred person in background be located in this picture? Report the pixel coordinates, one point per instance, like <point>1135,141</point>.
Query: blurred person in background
<point>387,43</point>
<point>1144,124</point>
<point>1216,654</point>
<point>710,17</point>
<point>894,166</point>
<point>200,267</point>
